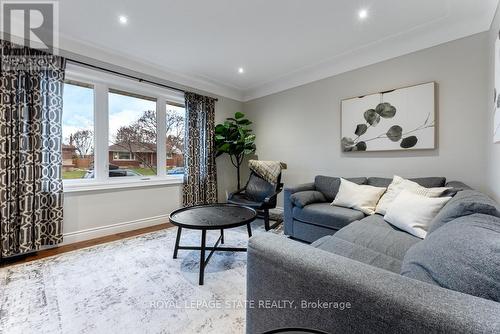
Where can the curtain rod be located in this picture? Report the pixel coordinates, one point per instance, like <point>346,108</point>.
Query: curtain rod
<point>127,75</point>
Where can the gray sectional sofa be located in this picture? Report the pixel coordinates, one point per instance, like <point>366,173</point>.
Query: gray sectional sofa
<point>362,275</point>
<point>309,216</point>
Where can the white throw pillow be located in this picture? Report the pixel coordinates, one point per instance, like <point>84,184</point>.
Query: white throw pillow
<point>413,212</point>
<point>360,197</point>
<point>399,184</point>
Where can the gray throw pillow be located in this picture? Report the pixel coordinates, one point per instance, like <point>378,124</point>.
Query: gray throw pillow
<point>382,182</point>
<point>329,185</point>
<point>427,182</point>
<point>303,198</point>
<point>463,255</point>
<point>458,185</point>
<point>464,203</point>
<point>430,182</point>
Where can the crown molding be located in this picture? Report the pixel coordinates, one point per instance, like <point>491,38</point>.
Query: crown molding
<point>419,39</point>
<point>81,49</point>
<point>429,35</point>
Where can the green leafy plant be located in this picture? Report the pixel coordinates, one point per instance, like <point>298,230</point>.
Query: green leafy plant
<point>234,137</point>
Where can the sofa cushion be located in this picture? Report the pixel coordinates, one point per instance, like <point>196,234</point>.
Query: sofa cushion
<point>303,198</point>
<point>375,233</point>
<point>358,253</point>
<point>372,241</point>
<point>428,182</point>
<point>378,182</point>
<point>308,232</point>
<point>324,214</point>
<point>377,220</point>
<point>463,255</point>
<point>329,185</point>
<point>464,203</point>
<point>457,185</point>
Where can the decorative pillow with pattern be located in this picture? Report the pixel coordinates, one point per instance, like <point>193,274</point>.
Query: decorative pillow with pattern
<point>399,184</point>
<point>413,213</point>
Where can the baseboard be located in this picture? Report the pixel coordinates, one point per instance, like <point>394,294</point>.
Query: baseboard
<point>101,231</point>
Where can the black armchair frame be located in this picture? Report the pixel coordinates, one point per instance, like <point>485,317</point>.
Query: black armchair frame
<point>263,207</point>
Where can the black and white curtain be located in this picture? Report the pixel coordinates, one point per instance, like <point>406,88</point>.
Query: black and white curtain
<point>31,190</point>
<point>200,178</point>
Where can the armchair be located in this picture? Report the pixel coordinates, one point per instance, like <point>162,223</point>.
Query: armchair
<point>260,195</point>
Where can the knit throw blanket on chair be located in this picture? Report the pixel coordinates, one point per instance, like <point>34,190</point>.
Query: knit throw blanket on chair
<point>268,170</point>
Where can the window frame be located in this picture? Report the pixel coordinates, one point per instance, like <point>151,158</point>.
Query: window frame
<point>130,158</point>
<point>104,83</point>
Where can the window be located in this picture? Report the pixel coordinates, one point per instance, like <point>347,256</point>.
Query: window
<point>123,156</point>
<point>120,132</point>
<point>175,138</point>
<point>78,130</point>
<point>132,134</point>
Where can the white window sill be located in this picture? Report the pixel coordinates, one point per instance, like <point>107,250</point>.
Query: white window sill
<point>131,182</point>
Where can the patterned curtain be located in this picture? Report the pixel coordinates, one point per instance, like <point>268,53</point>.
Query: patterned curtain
<point>31,196</point>
<point>200,178</point>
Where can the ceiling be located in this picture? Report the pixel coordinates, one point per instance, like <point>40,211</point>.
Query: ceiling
<point>279,43</point>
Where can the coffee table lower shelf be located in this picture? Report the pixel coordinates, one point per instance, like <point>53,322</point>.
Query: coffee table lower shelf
<point>203,248</point>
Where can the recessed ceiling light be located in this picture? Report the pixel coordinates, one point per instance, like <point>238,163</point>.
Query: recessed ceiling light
<point>241,70</point>
<point>123,19</point>
<point>363,14</point>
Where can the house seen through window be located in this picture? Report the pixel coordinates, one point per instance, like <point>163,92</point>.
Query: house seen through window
<point>175,138</point>
<point>130,145</point>
<point>78,130</point>
<point>132,135</point>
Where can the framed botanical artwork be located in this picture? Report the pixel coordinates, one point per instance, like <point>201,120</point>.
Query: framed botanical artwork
<point>398,119</point>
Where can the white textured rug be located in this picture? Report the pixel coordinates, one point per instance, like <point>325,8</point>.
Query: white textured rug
<point>129,286</point>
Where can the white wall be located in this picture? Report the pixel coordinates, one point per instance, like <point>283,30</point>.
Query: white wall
<point>301,126</point>
<point>493,150</point>
<point>92,214</point>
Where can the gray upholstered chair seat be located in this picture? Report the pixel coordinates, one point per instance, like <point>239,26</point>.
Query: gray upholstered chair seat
<point>242,200</point>
<point>324,214</point>
<point>372,241</point>
<point>259,194</point>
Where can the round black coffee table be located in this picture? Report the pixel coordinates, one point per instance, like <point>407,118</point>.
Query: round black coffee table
<point>211,217</point>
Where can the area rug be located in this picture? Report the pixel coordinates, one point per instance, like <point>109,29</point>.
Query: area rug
<point>129,286</point>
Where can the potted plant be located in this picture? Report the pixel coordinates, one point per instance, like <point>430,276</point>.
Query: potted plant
<point>234,137</point>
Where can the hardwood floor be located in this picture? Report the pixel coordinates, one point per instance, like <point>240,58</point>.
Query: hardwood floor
<point>78,245</point>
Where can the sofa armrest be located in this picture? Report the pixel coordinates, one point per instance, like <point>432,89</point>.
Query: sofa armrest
<point>288,205</point>
<point>286,279</point>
